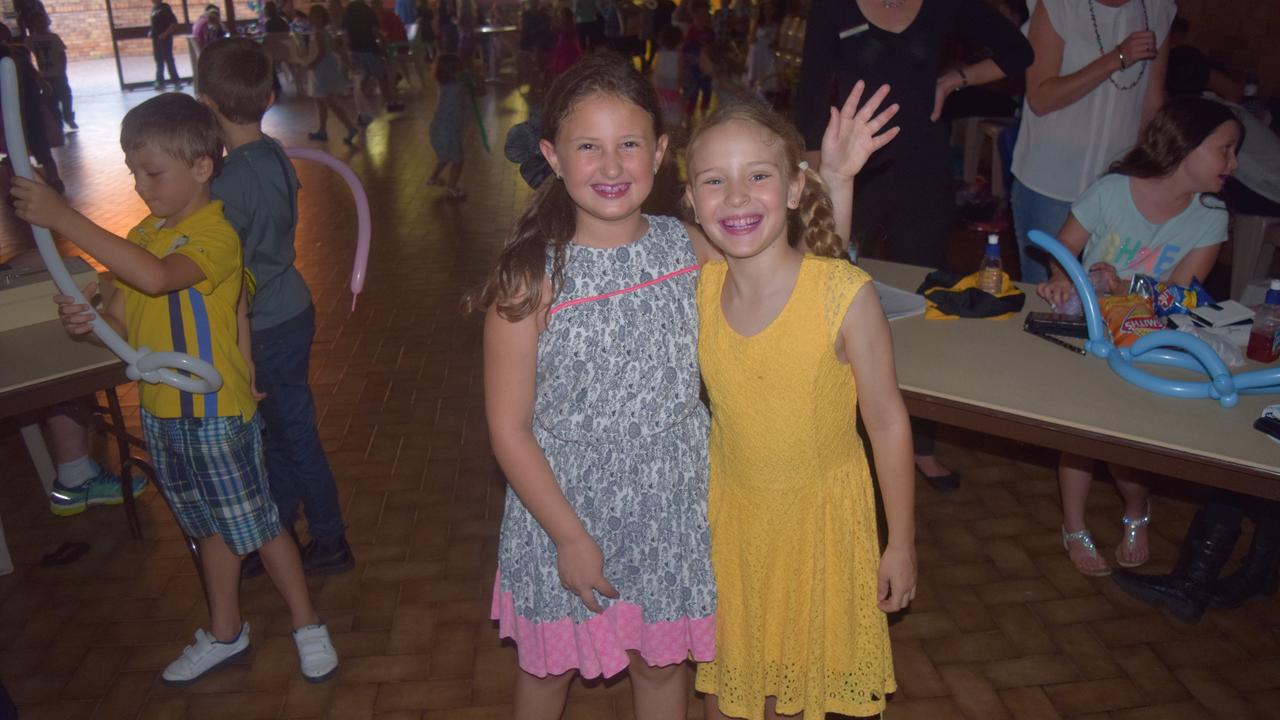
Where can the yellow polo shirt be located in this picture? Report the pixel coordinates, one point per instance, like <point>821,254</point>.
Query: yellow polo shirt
<point>199,321</point>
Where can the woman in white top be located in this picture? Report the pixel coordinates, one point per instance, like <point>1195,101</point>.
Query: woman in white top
<point>1097,78</point>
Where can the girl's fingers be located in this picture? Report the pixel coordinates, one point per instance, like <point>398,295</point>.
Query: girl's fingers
<point>851,103</point>
<point>873,103</point>
<point>590,601</point>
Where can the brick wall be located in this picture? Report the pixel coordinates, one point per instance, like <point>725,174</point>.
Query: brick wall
<point>83,25</point>
<point>1239,34</point>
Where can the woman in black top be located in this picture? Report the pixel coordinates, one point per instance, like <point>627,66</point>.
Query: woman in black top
<point>905,194</point>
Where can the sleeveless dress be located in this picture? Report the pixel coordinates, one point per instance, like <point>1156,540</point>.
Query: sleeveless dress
<point>793,516</point>
<point>618,414</point>
<point>326,78</point>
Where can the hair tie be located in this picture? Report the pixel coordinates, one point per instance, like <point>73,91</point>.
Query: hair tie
<point>804,165</point>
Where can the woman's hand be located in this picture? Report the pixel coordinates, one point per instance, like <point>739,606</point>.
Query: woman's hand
<point>896,578</point>
<point>854,133</point>
<point>1140,45</point>
<point>948,82</point>
<point>77,319</point>
<point>581,568</point>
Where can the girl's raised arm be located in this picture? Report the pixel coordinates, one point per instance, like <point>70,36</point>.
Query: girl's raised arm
<point>853,134</point>
<point>865,340</point>
<point>510,380</point>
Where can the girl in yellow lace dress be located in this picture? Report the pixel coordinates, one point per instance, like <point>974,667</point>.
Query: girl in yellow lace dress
<point>790,346</point>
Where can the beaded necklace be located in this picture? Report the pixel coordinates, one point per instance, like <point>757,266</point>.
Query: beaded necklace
<point>1142,69</point>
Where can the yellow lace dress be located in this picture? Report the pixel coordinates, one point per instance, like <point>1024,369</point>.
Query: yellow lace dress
<point>792,511</point>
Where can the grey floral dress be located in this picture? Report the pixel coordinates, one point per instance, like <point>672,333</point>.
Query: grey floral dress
<point>619,417</point>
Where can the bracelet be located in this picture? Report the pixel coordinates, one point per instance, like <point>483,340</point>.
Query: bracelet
<point>964,79</point>
<point>1120,52</point>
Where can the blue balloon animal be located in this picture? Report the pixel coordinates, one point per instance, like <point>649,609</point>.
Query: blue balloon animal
<point>1163,347</point>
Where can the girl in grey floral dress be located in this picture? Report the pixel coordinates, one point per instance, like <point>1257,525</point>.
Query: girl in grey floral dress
<point>592,394</point>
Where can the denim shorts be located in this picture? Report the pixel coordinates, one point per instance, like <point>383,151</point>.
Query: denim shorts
<point>213,475</point>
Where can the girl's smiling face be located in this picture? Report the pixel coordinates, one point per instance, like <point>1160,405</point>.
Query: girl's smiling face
<point>1209,165</point>
<point>606,154</point>
<point>741,188</point>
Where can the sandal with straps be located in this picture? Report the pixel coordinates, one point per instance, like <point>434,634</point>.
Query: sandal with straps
<point>1086,541</point>
<point>1130,540</point>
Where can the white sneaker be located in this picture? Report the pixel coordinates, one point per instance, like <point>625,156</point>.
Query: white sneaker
<point>316,655</point>
<point>205,655</point>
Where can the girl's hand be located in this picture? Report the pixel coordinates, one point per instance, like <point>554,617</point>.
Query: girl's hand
<point>1115,285</point>
<point>854,133</point>
<point>36,202</point>
<point>581,568</point>
<point>1056,291</point>
<point>897,579</point>
<point>77,319</point>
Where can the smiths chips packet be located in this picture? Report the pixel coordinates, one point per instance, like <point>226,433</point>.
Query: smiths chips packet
<point>1168,299</point>
<point>1129,317</point>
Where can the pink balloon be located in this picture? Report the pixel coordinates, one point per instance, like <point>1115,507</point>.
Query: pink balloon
<point>363,221</point>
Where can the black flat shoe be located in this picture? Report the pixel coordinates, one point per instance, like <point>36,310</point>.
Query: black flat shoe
<point>943,483</point>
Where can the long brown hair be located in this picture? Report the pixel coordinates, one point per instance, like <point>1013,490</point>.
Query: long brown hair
<point>1173,134</point>
<point>813,222</point>
<point>549,221</point>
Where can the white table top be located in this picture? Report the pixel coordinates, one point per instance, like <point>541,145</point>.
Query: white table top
<point>44,352</point>
<point>993,364</point>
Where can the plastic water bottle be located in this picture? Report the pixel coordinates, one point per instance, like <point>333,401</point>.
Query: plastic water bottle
<point>990,271</point>
<point>1264,339</point>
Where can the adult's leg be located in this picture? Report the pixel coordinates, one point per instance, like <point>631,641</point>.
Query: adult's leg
<point>157,52</point>
<point>916,207</point>
<point>1033,211</point>
<point>294,453</point>
<point>169,61</point>
<point>540,698</point>
<point>659,693</point>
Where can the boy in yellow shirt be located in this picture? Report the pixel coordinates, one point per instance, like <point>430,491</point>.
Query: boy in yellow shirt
<point>180,275</point>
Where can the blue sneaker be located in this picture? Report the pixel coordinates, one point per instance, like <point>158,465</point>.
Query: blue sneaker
<point>101,489</point>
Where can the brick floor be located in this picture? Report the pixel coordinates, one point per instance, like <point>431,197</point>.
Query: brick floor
<point>1002,627</point>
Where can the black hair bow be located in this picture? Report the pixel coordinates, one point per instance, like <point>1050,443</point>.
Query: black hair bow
<point>522,148</point>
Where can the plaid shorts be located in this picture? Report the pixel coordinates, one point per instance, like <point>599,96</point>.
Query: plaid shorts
<point>213,475</point>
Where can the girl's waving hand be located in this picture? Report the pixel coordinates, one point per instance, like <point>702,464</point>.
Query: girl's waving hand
<point>854,133</point>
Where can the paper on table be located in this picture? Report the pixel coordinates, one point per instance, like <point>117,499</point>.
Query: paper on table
<point>899,303</point>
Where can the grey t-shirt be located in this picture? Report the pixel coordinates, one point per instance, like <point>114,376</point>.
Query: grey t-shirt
<point>259,191</point>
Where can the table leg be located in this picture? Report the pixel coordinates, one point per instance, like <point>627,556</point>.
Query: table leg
<point>39,452</point>
<point>127,464</point>
<point>6,562</point>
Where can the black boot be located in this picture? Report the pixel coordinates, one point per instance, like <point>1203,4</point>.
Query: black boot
<point>1260,572</point>
<point>1185,592</point>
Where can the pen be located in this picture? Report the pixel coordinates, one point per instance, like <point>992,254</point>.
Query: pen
<point>1059,341</point>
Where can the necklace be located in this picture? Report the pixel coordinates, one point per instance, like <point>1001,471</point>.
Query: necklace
<point>1142,67</point>
<point>892,4</point>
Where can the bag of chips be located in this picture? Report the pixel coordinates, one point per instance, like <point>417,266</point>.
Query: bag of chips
<point>1129,317</point>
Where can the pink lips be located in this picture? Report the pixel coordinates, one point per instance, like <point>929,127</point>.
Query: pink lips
<point>611,192</point>
<point>741,224</point>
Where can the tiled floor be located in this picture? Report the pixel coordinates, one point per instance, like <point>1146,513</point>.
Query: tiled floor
<point>1003,627</point>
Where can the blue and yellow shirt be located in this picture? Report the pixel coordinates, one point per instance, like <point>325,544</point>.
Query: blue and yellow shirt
<point>199,320</point>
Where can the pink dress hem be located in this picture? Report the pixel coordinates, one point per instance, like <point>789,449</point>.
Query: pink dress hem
<point>599,646</point>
